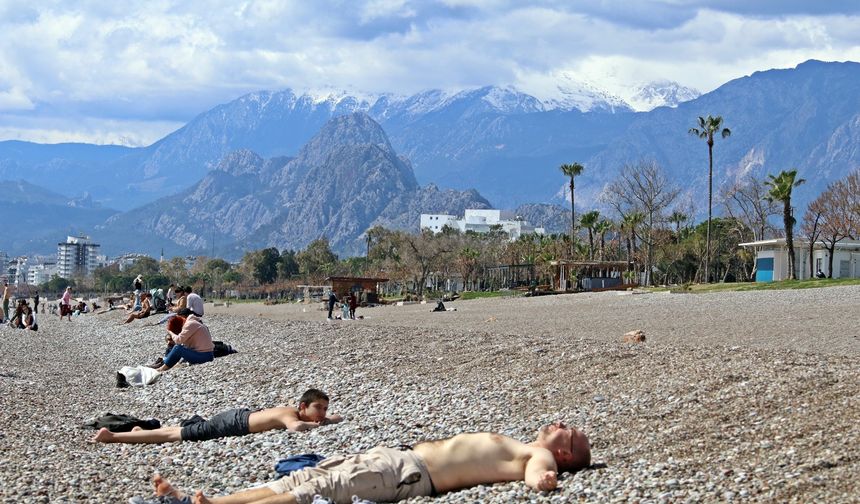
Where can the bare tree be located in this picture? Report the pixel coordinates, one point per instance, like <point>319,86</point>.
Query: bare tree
<point>837,217</point>
<point>810,229</point>
<point>643,187</point>
<point>746,202</point>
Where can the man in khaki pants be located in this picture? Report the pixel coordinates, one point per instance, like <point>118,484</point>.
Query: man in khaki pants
<point>430,468</point>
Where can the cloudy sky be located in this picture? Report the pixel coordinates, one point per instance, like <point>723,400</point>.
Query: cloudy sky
<point>130,72</point>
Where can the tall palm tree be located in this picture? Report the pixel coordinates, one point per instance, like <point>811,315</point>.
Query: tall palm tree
<point>588,221</point>
<point>707,127</point>
<point>572,170</point>
<point>781,186</point>
<point>601,229</point>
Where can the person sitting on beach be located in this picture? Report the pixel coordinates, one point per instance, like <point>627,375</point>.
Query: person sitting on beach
<point>145,309</point>
<point>181,301</point>
<point>427,469</point>
<point>16,319</point>
<point>193,302</point>
<point>189,340</point>
<point>29,318</point>
<point>310,414</point>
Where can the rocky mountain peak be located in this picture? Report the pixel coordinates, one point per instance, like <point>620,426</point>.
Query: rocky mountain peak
<point>356,129</point>
<point>241,162</point>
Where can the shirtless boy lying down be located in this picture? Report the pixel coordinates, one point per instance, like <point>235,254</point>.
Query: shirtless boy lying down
<point>310,414</point>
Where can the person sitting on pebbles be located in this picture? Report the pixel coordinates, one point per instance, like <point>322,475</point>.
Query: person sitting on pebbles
<point>310,414</point>
<point>144,311</point>
<point>428,469</point>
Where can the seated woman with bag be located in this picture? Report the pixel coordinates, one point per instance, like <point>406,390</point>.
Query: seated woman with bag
<point>191,341</point>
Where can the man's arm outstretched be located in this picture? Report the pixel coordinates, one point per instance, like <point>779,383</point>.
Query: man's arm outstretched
<point>541,471</point>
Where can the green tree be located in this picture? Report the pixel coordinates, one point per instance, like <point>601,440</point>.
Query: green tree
<point>145,266</point>
<point>56,284</point>
<point>262,264</point>
<point>589,221</point>
<point>780,188</point>
<point>176,269</point>
<point>677,218</point>
<point>317,258</point>
<point>572,170</point>
<point>288,266</point>
<point>707,127</point>
<point>601,228</point>
<point>629,222</point>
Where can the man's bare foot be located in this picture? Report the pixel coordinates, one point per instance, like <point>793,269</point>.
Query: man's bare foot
<point>199,498</point>
<point>102,436</point>
<point>163,487</point>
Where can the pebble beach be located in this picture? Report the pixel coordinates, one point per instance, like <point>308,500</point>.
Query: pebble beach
<point>734,396</point>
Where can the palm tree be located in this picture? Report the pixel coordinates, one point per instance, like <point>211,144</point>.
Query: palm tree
<point>708,126</point>
<point>588,221</point>
<point>781,186</point>
<point>572,170</point>
<point>677,218</point>
<point>601,229</point>
<point>628,225</point>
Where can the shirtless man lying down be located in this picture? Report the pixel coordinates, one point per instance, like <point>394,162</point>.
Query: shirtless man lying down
<point>430,468</point>
<point>310,414</point>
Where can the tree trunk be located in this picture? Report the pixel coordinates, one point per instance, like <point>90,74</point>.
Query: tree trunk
<point>710,198</point>
<point>830,249</point>
<point>789,238</point>
<point>572,222</point>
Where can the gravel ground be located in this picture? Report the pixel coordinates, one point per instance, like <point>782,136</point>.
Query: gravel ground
<point>734,397</point>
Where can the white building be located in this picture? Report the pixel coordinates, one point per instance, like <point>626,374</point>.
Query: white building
<point>17,270</point>
<point>480,221</point>
<point>77,257</point>
<point>126,261</point>
<point>772,259</point>
<point>41,273</point>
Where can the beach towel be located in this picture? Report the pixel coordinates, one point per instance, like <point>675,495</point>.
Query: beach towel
<point>139,376</point>
<point>297,463</point>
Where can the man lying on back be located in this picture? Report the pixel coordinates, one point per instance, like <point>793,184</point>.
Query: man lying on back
<point>430,468</point>
<point>310,414</point>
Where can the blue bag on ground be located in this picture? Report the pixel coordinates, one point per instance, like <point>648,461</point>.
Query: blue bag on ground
<point>297,462</point>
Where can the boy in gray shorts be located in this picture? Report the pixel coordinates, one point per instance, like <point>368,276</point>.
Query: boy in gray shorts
<point>311,413</point>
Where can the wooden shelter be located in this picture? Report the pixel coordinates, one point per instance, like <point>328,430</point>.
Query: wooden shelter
<point>591,275</point>
<point>366,288</point>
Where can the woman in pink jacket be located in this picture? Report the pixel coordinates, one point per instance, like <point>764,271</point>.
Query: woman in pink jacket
<point>192,342</point>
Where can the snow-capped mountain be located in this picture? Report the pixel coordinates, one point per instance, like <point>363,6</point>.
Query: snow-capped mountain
<point>566,92</point>
<point>662,93</point>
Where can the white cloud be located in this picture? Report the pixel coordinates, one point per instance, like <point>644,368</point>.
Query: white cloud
<point>165,61</point>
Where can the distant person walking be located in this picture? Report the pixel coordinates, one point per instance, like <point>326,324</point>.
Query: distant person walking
<point>66,303</point>
<point>36,302</point>
<point>5,301</point>
<point>332,300</point>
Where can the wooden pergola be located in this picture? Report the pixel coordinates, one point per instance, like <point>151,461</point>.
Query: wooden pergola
<point>591,275</point>
<point>366,288</point>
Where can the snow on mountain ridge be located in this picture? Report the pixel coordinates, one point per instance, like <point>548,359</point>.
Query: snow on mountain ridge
<point>661,93</point>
